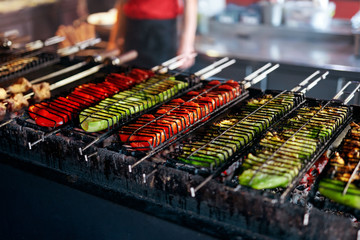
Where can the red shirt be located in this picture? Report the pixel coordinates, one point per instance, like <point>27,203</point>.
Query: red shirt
<point>153,9</point>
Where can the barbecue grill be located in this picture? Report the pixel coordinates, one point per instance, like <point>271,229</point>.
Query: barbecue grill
<point>159,182</point>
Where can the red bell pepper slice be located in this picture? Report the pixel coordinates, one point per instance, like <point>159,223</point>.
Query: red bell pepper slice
<point>147,117</point>
<point>219,99</point>
<point>34,109</point>
<point>234,84</point>
<point>146,138</point>
<point>234,92</point>
<point>210,102</point>
<point>185,115</point>
<point>227,96</point>
<point>47,119</point>
<point>193,108</point>
<point>177,100</point>
<point>212,83</point>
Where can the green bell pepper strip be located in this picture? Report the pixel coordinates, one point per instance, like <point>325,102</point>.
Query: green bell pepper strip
<point>281,168</point>
<point>111,111</point>
<point>240,135</point>
<point>333,189</point>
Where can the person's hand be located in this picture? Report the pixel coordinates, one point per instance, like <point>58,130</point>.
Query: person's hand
<point>189,58</point>
<point>111,46</point>
<point>119,44</point>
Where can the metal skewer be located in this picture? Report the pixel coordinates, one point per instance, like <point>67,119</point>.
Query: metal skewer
<point>311,85</point>
<point>352,94</point>
<point>146,177</point>
<point>167,63</point>
<point>211,66</point>
<point>341,92</point>
<point>178,63</point>
<point>254,74</point>
<point>164,67</point>
<point>78,47</point>
<point>260,77</point>
<point>351,178</point>
<point>305,82</point>
<point>217,69</point>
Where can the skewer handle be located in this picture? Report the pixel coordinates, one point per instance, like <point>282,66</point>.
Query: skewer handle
<point>261,76</point>
<point>313,84</point>
<point>217,69</point>
<point>194,190</point>
<point>181,61</point>
<point>341,92</point>
<point>126,57</point>
<point>251,76</point>
<point>168,62</point>
<point>106,54</point>
<point>352,94</point>
<point>53,40</point>
<point>211,66</point>
<point>306,81</point>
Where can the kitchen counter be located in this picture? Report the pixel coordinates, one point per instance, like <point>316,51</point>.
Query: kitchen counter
<point>9,6</point>
<point>329,49</point>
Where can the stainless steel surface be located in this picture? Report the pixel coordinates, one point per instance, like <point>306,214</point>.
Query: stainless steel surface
<point>331,48</point>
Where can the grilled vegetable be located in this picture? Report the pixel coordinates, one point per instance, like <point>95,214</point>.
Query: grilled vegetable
<point>342,166</point>
<point>333,189</point>
<point>177,115</point>
<point>16,65</point>
<point>232,133</point>
<point>112,110</point>
<point>61,110</point>
<point>282,154</point>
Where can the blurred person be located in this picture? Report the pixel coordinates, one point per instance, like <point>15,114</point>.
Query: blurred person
<point>151,28</point>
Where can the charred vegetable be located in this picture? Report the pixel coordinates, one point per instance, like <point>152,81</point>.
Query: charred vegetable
<point>178,115</point>
<point>342,166</point>
<point>282,154</point>
<point>233,132</point>
<point>62,109</point>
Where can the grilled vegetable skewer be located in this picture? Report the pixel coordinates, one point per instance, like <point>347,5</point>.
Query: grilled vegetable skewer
<point>186,118</point>
<point>251,124</point>
<point>170,119</point>
<point>342,183</point>
<point>282,154</point>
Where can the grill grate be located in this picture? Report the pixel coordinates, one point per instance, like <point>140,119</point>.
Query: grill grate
<point>21,66</point>
<point>232,134</point>
<point>115,110</point>
<point>176,117</point>
<point>280,158</point>
<point>59,111</point>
